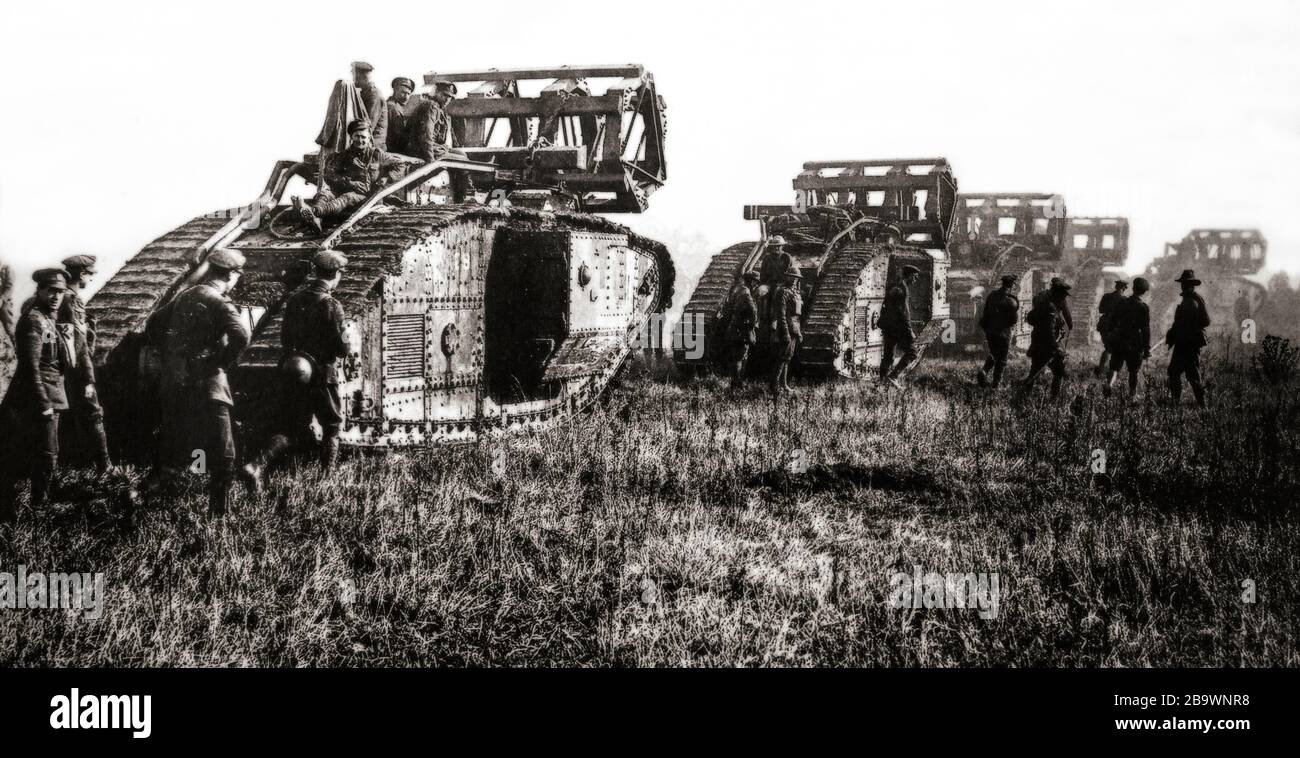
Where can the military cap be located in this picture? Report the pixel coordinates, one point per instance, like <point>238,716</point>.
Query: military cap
<point>750,276</point>
<point>403,80</point>
<point>1059,285</point>
<point>357,125</point>
<point>362,66</point>
<point>1121,283</point>
<point>1189,276</point>
<point>444,84</point>
<point>84,262</point>
<point>226,259</point>
<point>793,271</point>
<point>1009,279</point>
<point>328,261</point>
<point>909,270</point>
<point>1141,285</point>
<point>55,278</point>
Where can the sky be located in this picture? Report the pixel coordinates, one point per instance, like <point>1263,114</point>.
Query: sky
<point>1176,115</point>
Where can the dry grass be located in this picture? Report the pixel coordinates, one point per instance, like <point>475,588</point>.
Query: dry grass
<point>664,528</point>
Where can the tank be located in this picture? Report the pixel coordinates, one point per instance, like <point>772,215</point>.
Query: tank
<point>1032,236</point>
<point>853,226</point>
<point>484,294</point>
<point>1228,263</point>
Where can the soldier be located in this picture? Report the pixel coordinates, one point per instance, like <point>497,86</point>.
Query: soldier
<point>784,311</point>
<point>896,326</point>
<point>399,109</point>
<point>30,412</point>
<point>373,99</point>
<point>1050,319</point>
<point>430,129</point>
<point>86,415</point>
<point>205,336</point>
<point>1187,337</point>
<point>742,325</point>
<point>1105,308</point>
<point>1001,312</point>
<point>313,340</point>
<point>351,176</point>
<point>1128,337</point>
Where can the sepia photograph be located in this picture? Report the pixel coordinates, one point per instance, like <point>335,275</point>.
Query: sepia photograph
<point>912,346</point>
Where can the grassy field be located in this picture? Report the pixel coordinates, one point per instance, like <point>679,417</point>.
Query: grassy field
<point>672,526</point>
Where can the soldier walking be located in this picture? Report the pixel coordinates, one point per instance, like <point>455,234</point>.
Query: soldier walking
<point>1187,337</point>
<point>30,412</point>
<point>1001,312</point>
<point>896,326</point>
<point>205,336</point>
<point>1128,337</point>
<point>313,340</point>
<point>785,309</point>
<point>742,326</point>
<point>86,429</point>
<point>1050,319</point>
<point>1109,302</point>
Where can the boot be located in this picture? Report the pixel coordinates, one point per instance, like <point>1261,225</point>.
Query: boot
<point>329,454</point>
<point>103,461</point>
<point>1057,381</point>
<point>1176,390</point>
<point>218,495</point>
<point>41,478</point>
<point>1199,391</point>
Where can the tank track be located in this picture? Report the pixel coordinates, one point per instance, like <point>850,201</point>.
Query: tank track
<point>711,291</point>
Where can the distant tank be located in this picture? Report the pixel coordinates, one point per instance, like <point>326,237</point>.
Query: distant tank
<point>1228,263</point>
<point>853,226</point>
<point>1031,236</point>
<point>506,309</point>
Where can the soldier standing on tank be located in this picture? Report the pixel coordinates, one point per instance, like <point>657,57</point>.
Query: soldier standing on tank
<point>742,326</point>
<point>373,99</point>
<point>785,308</point>
<point>399,108</point>
<point>430,131</point>
<point>351,177</point>
<point>29,414</point>
<point>84,411</point>
<point>1051,331</point>
<point>1187,337</point>
<point>1001,312</point>
<point>312,332</point>
<point>205,336</point>
<point>1128,337</point>
<point>896,327</point>
<point>1109,302</point>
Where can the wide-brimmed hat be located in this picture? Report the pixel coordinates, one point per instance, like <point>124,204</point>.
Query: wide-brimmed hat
<point>1059,285</point>
<point>776,242</point>
<point>1189,276</point>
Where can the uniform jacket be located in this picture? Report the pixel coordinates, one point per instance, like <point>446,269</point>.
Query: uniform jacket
<point>1051,326</point>
<point>1044,297</point>
<point>72,313</point>
<point>205,336</point>
<point>1130,325</point>
<point>399,126</point>
<point>1109,302</point>
<point>376,112</point>
<point>785,309</point>
<point>429,128</point>
<point>356,170</point>
<point>1190,321</point>
<point>1001,311</point>
<point>896,313</point>
<point>38,380</point>
<point>313,324</point>
<point>742,316</point>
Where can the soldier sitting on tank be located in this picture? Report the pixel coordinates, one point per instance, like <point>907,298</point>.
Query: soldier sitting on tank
<point>741,318</point>
<point>896,327</point>
<point>1001,312</point>
<point>314,343</point>
<point>351,177</point>
<point>1128,337</point>
<point>1105,309</point>
<point>429,133</point>
<point>1051,331</point>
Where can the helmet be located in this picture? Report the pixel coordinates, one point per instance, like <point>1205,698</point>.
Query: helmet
<point>297,368</point>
